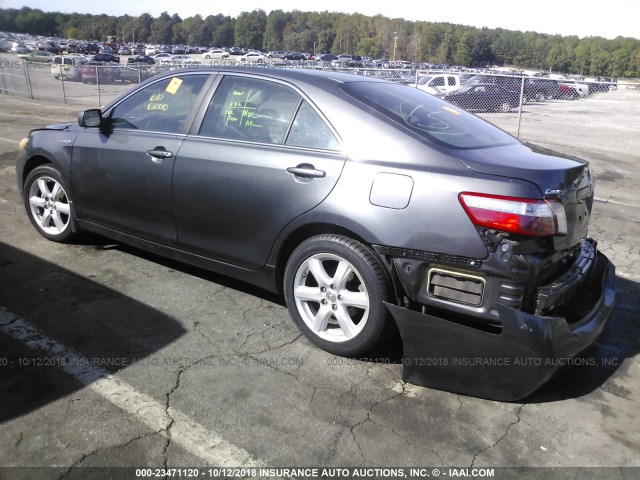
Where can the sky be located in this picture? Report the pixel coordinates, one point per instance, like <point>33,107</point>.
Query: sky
<point>583,18</point>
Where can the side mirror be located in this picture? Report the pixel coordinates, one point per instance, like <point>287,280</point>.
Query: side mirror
<point>90,118</point>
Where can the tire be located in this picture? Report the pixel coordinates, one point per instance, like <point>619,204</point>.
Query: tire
<point>334,288</point>
<point>504,107</point>
<point>48,204</point>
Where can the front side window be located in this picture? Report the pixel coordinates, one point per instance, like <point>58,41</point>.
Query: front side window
<point>161,106</point>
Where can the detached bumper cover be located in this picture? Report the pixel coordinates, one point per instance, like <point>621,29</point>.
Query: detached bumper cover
<point>509,365</point>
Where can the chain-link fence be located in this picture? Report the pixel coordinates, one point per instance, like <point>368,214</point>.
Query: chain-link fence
<point>506,99</point>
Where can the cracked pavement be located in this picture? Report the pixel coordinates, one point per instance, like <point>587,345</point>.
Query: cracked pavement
<point>226,355</point>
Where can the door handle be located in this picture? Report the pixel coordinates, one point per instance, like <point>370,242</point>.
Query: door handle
<point>158,155</point>
<point>307,171</point>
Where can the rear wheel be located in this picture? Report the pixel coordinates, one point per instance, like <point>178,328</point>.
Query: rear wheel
<point>504,107</point>
<point>335,287</point>
<point>48,204</point>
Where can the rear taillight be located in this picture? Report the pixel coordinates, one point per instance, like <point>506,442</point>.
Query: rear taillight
<point>525,216</point>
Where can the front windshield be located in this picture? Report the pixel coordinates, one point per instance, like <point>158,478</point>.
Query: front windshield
<point>428,116</point>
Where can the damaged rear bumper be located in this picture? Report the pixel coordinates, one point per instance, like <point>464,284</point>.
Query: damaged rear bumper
<point>512,363</point>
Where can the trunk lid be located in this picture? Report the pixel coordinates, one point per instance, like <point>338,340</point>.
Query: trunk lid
<point>557,176</point>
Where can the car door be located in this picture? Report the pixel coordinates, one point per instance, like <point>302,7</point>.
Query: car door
<point>262,156</point>
<point>121,173</point>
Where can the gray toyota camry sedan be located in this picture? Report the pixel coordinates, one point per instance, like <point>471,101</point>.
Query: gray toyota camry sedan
<point>369,205</point>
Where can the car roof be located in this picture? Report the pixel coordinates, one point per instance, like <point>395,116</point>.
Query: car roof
<point>317,78</point>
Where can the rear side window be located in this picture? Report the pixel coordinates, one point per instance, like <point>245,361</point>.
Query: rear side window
<point>428,116</point>
<point>309,130</point>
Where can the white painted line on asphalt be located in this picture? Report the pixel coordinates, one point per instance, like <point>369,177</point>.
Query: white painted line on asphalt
<point>628,276</point>
<point>615,202</point>
<point>56,104</point>
<point>30,115</point>
<point>8,140</point>
<point>184,431</point>
<point>18,100</point>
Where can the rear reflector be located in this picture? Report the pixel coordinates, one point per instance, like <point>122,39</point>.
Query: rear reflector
<point>525,216</point>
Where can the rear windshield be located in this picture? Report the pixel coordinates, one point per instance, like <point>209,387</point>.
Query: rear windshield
<point>428,116</point>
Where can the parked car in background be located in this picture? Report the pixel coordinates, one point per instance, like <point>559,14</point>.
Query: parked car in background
<point>511,83</point>
<point>136,74</point>
<point>341,60</point>
<point>581,88</point>
<point>106,57</point>
<point>295,56</point>
<point>173,58</point>
<point>602,84</point>
<point>276,54</point>
<point>141,59</point>
<point>37,56</point>
<point>90,49</point>
<point>544,89</point>
<point>215,54</point>
<point>19,47</point>
<point>372,206</point>
<point>252,57</point>
<point>73,47</point>
<point>573,90</point>
<point>438,84</point>
<point>68,66</point>
<point>486,97</point>
<point>125,50</point>
<point>178,61</point>
<point>139,49</point>
<point>97,72</point>
<point>51,47</point>
<point>325,60</point>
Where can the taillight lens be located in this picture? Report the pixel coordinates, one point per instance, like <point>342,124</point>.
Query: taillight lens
<point>525,216</point>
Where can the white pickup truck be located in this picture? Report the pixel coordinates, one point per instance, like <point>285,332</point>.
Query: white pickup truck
<point>439,83</point>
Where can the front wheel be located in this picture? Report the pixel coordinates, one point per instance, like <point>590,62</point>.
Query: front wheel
<point>48,204</point>
<point>334,288</point>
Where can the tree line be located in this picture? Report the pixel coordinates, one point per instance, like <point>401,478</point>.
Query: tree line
<point>332,32</point>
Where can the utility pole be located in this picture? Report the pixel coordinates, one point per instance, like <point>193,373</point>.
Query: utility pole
<point>395,44</point>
